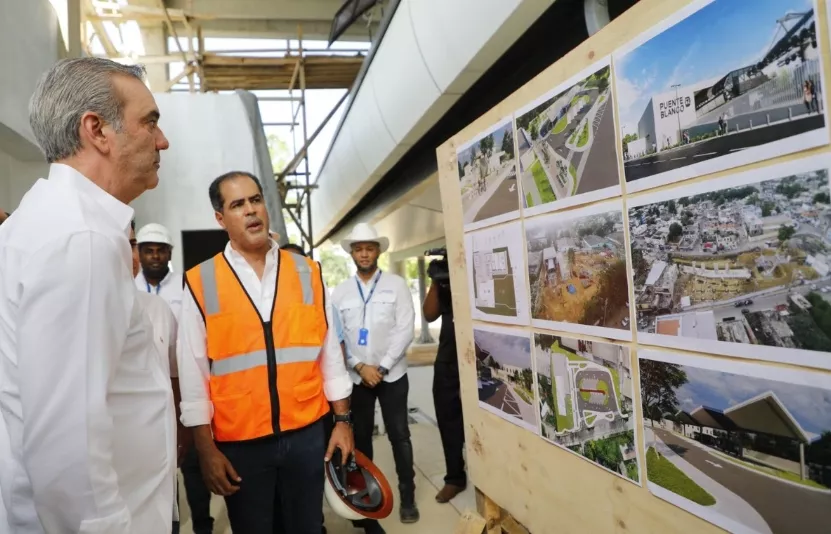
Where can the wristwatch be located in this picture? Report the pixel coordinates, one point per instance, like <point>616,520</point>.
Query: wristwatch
<point>344,417</point>
<point>383,371</point>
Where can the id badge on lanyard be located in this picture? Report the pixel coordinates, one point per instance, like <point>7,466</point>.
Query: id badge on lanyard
<point>158,287</point>
<point>363,333</point>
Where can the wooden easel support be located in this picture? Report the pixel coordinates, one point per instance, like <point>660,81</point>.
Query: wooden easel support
<point>490,519</point>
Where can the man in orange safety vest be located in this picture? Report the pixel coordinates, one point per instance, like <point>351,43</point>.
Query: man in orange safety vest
<point>258,367</point>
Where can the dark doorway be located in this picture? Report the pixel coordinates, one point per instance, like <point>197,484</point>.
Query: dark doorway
<point>199,245</point>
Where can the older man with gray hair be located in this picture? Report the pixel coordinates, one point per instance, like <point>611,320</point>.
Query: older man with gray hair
<point>87,404</point>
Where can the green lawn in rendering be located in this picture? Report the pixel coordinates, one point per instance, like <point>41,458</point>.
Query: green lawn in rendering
<point>564,421</point>
<point>560,125</point>
<point>543,185</point>
<point>568,354</point>
<point>584,135</point>
<point>662,472</point>
<point>524,394</point>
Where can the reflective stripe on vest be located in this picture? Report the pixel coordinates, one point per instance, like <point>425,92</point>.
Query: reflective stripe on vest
<point>265,377</point>
<point>249,360</point>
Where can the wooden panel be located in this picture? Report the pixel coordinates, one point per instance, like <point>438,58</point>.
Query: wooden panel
<point>547,489</point>
<point>237,72</point>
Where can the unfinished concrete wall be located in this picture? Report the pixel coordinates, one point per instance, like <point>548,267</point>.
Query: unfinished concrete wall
<point>29,44</point>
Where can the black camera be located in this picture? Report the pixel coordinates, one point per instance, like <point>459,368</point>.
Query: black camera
<point>438,270</point>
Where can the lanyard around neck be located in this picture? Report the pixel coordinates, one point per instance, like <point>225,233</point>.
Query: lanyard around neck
<point>368,297</point>
<point>158,287</point>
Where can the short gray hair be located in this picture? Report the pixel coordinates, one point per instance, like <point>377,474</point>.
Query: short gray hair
<point>65,92</point>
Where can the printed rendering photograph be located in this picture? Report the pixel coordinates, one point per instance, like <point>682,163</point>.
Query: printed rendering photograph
<point>567,143</point>
<point>742,445</point>
<point>487,177</point>
<point>504,375</point>
<point>701,97</point>
<point>577,271</point>
<point>496,274</point>
<point>585,393</point>
<point>737,260</point>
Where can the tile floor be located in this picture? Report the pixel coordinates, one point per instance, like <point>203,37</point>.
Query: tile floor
<point>429,459</point>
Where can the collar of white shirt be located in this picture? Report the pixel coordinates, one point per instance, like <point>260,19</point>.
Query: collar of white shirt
<point>142,280</point>
<point>239,262</point>
<point>120,213</point>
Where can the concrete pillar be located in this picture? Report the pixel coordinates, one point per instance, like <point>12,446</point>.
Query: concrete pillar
<point>155,44</point>
<point>425,337</point>
<point>802,474</point>
<point>74,33</point>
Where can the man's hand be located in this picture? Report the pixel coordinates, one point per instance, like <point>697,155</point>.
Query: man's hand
<point>184,441</point>
<point>370,375</point>
<point>342,439</point>
<point>218,472</point>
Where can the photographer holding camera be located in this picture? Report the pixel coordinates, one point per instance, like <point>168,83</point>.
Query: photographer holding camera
<point>446,395</point>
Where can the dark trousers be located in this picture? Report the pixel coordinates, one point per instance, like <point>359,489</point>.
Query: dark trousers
<point>197,493</point>
<point>393,399</point>
<point>328,426</point>
<point>448,402</point>
<point>282,483</point>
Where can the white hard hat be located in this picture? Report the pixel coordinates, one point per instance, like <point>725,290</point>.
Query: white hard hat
<point>154,233</point>
<point>365,233</point>
<point>357,490</point>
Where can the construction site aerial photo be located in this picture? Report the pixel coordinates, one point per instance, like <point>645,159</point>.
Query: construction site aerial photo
<point>744,264</point>
<point>577,269</point>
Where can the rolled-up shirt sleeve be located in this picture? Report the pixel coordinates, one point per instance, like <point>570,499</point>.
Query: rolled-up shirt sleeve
<point>73,320</point>
<point>336,382</point>
<point>403,332</point>
<point>194,369</point>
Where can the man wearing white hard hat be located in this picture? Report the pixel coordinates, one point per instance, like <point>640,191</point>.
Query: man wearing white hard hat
<point>377,315</point>
<point>155,249</point>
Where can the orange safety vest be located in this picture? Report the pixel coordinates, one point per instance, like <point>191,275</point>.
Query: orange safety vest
<point>265,374</point>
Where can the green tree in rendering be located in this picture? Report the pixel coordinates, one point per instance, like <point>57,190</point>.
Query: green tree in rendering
<point>822,198</point>
<point>508,145</point>
<point>486,145</point>
<point>527,379</point>
<point>671,207</point>
<point>675,231</point>
<point>659,382</point>
<point>785,233</point>
<point>535,131</point>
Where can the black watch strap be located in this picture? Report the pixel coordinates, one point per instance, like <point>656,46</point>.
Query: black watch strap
<point>343,418</point>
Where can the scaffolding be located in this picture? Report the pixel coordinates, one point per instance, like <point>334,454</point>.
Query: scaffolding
<point>293,69</point>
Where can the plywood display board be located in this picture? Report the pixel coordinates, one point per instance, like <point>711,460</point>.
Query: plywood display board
<point>640,250</point>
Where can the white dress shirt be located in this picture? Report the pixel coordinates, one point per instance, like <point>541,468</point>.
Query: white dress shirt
<point>165,330</point>
<point>389,319</point>
<point>170,289</point>
<point>88,407</point>
<point>5,452</point>
<point>194,369</point>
